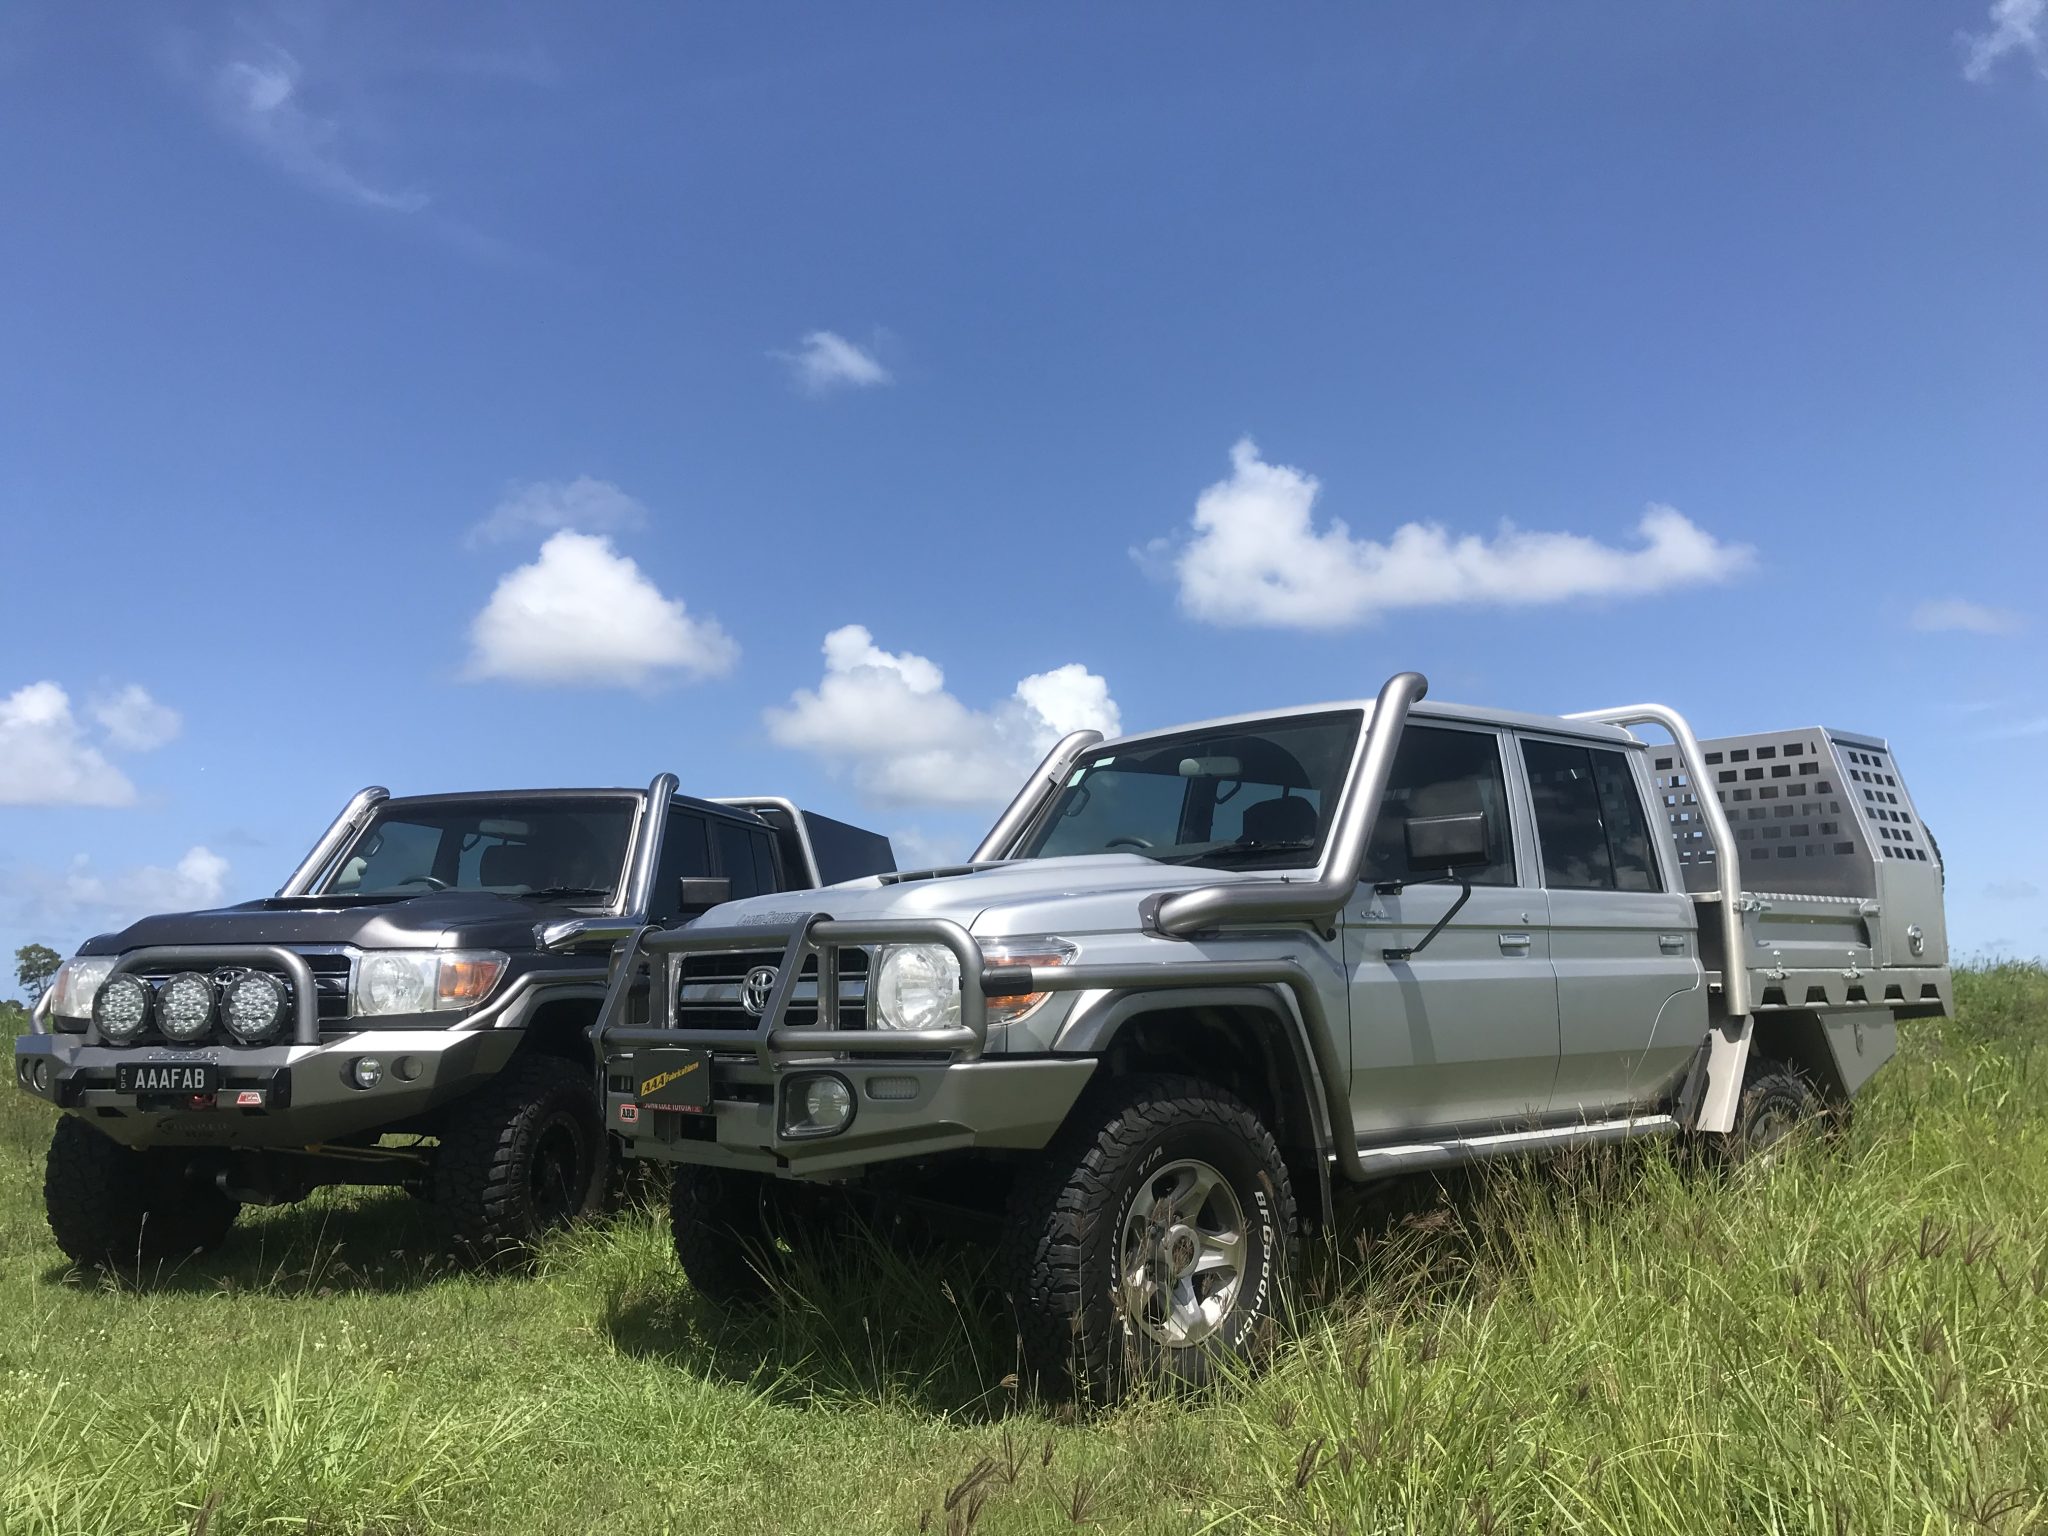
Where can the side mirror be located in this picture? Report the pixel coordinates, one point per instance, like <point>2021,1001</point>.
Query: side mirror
<point>696,894</point>
<point>1445,843</point>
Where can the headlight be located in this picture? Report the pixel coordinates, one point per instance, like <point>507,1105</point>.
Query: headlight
<point>423,980</point>
<point>121,1008</point>
<point>184,1007</point>
<point>917,986</point>
<point>78,983</point>
<point>1008,1010</point>
<point>253,1007</point>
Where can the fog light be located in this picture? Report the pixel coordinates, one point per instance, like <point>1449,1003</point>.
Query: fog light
<point>254,1007</point>
<point>121,1009</point>
<point>366,1071</point>
<point>41,1073</point>
<point>816,1104</point>
<point>185,1006</point>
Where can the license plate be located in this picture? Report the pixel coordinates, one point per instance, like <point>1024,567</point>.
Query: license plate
<point>672,1078</point>
<point>166,1077</point>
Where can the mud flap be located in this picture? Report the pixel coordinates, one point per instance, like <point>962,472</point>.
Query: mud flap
<point>1725,1056</point>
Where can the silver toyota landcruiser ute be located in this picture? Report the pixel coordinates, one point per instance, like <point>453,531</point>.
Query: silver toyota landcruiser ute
<point>1194,978</point>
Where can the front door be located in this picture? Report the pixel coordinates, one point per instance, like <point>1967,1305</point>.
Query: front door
<point>1622,936</point>
<point>1462,1035</point>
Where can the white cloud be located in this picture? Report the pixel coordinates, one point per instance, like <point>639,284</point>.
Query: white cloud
<point>2012,890</point>
<point>583,613</point>
<point>827,361</point>
<point>2017,26</point>
<point>917,849</point>
<point>199,879</point>
<point>135,722</point>
<point>259,97</point>
<point>547,506</point>
<point>46,757</point>
<point>1956,613</point>
<point>1257,557</point>
<point>909,741</point>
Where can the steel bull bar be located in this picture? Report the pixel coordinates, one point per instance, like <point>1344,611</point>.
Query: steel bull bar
<point>208,957</point>
<point>815,935</point>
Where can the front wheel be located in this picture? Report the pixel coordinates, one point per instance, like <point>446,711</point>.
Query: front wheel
<point>1154,1241</point>
<point>729,1227</point>
<point>522,1157</point>
<point>115,1207</point>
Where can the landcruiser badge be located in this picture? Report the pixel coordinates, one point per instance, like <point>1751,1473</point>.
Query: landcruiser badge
<point>757,989</point>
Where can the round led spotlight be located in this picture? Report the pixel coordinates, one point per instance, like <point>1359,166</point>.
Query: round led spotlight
<point>254,1007</point>
<point>184,1007</point>
<point>121,1009</point>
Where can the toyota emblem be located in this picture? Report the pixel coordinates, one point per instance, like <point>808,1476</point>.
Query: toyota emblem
<point>757,989</point>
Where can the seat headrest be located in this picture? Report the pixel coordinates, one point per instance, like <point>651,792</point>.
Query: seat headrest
<point>1288,820</point>
<point>503,864</point>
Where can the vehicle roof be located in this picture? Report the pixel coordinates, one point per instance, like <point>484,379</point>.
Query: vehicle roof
<point>1430,709</point>
<point>487,796</point>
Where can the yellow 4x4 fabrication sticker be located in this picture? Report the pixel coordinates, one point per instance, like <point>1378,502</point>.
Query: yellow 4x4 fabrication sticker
<point>661,1080</point>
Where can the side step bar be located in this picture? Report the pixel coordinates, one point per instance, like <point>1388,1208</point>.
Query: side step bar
<point>1416,1156</point>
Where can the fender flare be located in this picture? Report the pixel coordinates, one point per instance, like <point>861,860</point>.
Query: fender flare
<point>1093,1029</point>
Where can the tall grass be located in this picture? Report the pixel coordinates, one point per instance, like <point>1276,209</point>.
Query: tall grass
<point>1852,1340</point>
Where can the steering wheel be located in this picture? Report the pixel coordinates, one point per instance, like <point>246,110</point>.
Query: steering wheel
<point>1134,842</point>
<point>431,882</point>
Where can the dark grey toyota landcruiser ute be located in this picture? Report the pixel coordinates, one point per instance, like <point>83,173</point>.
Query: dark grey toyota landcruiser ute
<point>411,1008</point>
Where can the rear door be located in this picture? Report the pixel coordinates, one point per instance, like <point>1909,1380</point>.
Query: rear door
<point>1463,1034</point>
<point>1622,941</point>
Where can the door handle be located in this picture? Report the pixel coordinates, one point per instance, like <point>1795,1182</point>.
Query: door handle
<point>1671,943</point>
<point>1514,943</point>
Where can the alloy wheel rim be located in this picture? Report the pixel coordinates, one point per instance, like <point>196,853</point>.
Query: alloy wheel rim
<point>1181,1254</point>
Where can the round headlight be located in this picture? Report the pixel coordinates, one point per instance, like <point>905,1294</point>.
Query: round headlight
<point>918,987</point>
<point>253,1006</point>
<point>121,1008</point>
<point>185,1006</point>
<point>394,984</point>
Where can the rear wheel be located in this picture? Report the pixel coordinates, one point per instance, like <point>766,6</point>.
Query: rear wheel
<point>1154,1241</point>
<point>1776,1101</point>
<point>116,1207</point>
<point>522,1157</point>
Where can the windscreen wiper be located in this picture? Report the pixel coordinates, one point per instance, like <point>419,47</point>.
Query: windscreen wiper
<point>548,891</point>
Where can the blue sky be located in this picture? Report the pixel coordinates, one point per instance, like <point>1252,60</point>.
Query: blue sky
<point>446,398</point>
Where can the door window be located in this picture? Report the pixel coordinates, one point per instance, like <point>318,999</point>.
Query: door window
<point>1589,819</point>
<point>685,854</point>
<point>1441,772</point>
<point>736,860</point>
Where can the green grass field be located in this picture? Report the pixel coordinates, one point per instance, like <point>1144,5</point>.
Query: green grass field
<point>1852,1341</point>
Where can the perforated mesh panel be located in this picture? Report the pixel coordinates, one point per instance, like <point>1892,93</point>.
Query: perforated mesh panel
<point>1810,814</point>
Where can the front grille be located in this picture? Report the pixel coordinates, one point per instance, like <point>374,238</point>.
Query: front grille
<point>331,970</point>
<point>707,987</point>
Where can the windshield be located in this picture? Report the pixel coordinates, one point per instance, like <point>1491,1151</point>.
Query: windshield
<point>1237,797</point>
<point>552,848</point>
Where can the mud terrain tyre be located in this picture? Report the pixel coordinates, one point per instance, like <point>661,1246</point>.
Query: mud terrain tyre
<point>1152,1243</point>
<point>123,1209</point>
<point>726,1225</point>
<point>523,1156</point>
<point>1776,1101</point>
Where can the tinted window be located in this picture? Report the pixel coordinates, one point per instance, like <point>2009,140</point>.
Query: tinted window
<point>736,859</point>
<point>570,848</point>
<point>1589,819</point>
<point>1238,797</point>
<point>764,862</point>
<point>1443,773</point>
<point>685,853</point>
